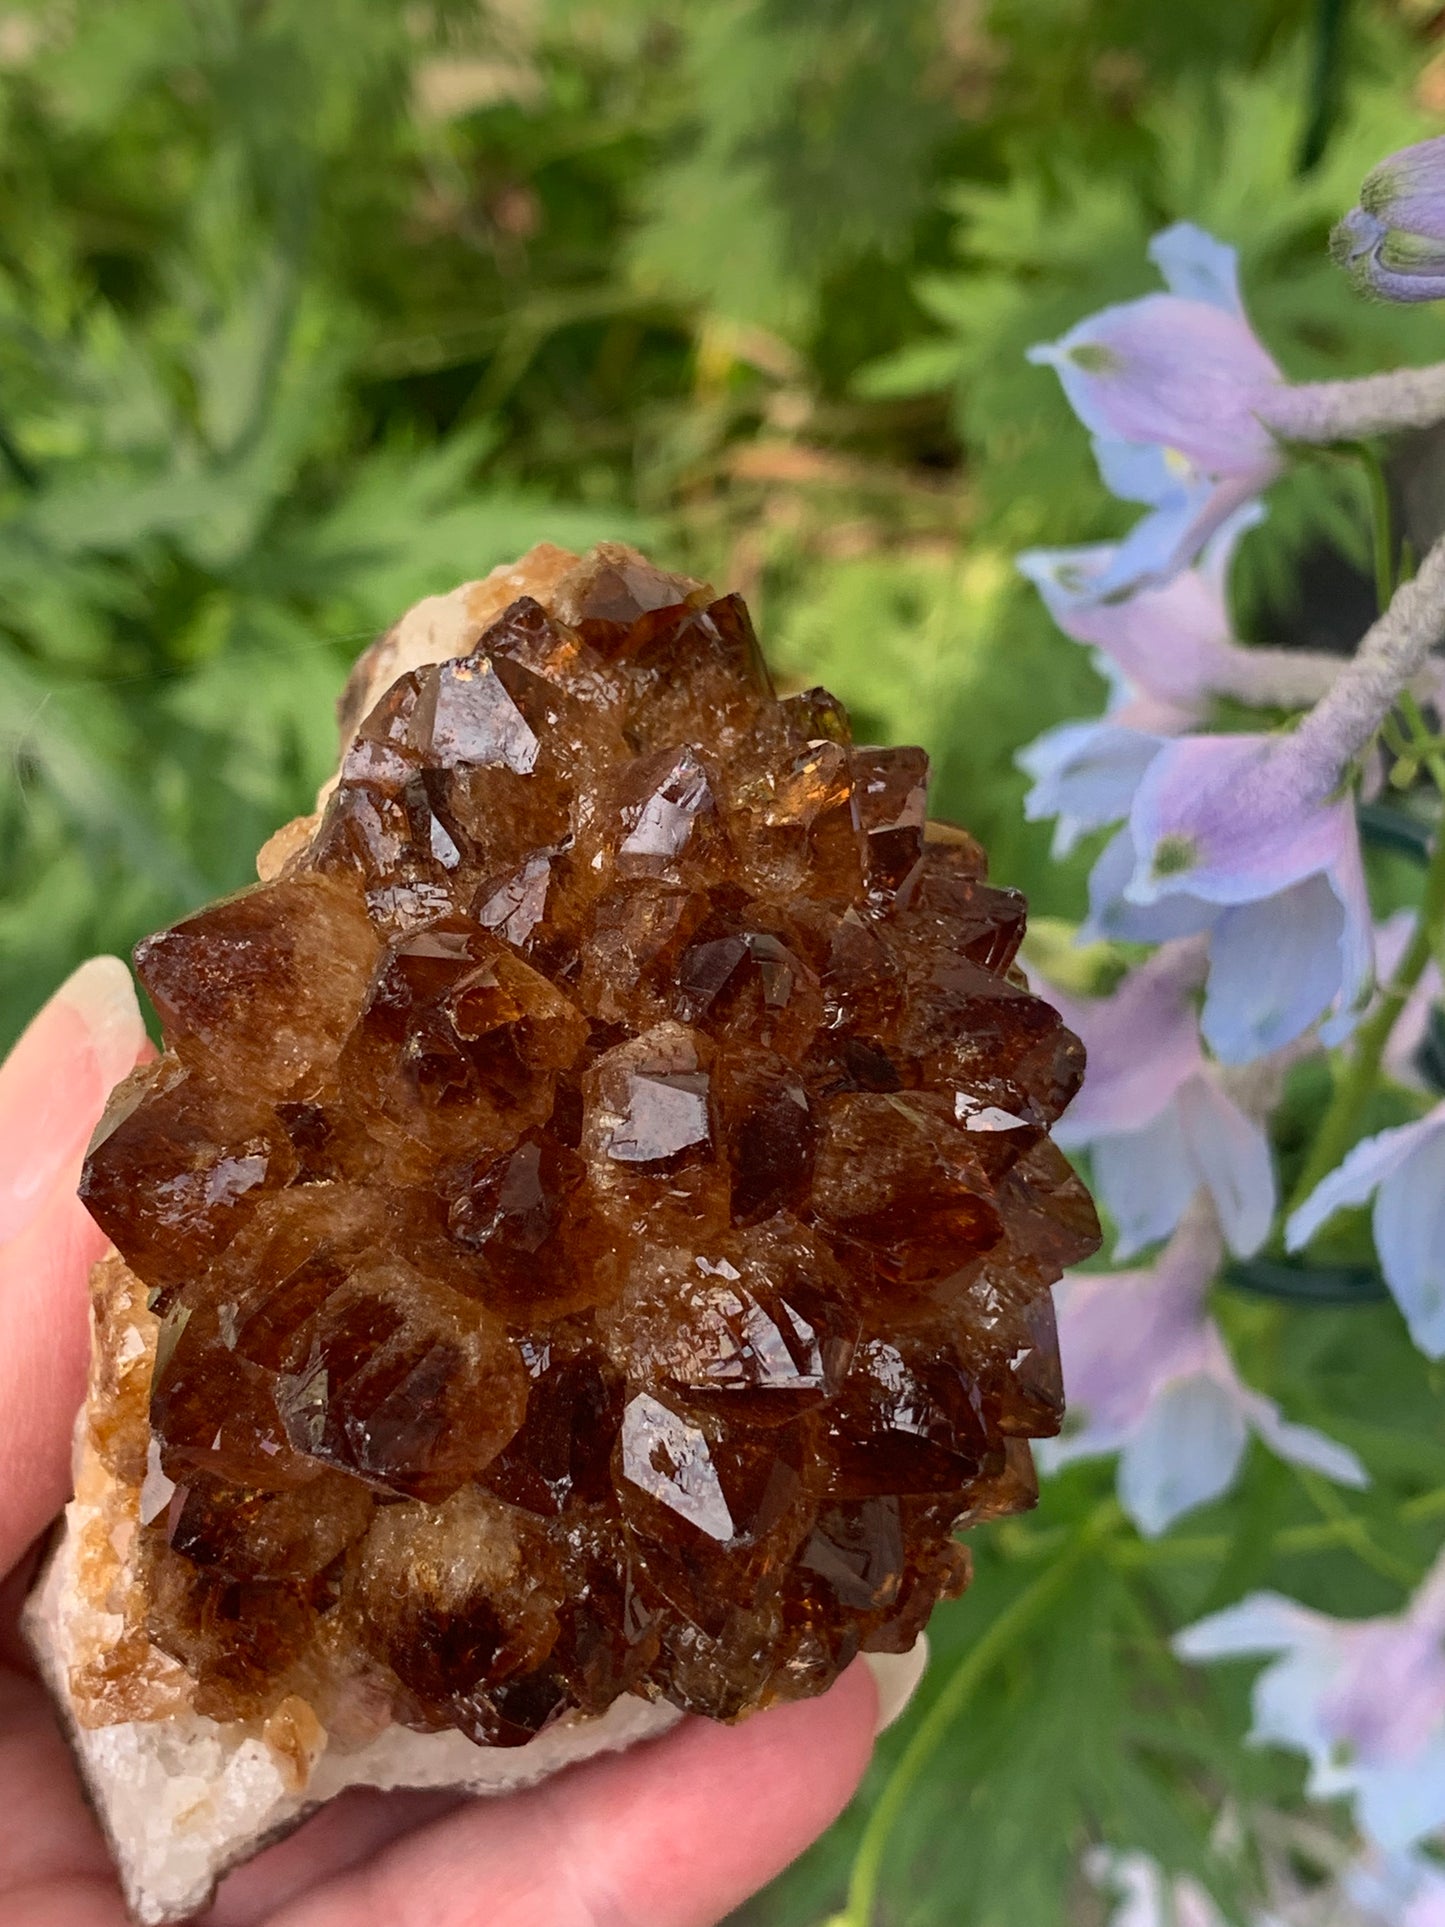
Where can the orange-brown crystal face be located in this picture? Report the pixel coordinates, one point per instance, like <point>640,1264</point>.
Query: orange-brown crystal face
<point>598,1199</point>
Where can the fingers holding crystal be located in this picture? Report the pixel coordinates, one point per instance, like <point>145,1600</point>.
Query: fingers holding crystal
<point>673,1834</point>
<point>53,1087</point>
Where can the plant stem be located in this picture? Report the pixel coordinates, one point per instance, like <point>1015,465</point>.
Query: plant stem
<point>23,471</point>
<point>1425,1505</point>
<point>1357,1082</point>
<point>1388,576</point>
<point>1392,652</point>
<point>1290,1543</point>
<point>1324,82</point>
<point>1293,1542</point>
<point>1381,525</point>
<point>1011,1623</point>
<point>1425,744</point>
<point>1351,411</point>
<point>1354,1532</point>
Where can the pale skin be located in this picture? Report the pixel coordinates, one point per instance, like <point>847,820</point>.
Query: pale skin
<point>675,1833</point>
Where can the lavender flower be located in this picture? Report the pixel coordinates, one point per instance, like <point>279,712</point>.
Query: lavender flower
<point>1168,651</point>
<point>1398,1889</point>
<point>1085,775</point>
<point>1408,1033</point>
<point>1247,837</point>
<point>1257,827</point>
<point>1170,388</point>
<point>1114,917</point>
<point>1405,1168</point>
<point>1148,1374</point>
<point>1363,1699</point>
<point>1155,1116</point>
<point>1165,649</point>
<point>1393,243</point>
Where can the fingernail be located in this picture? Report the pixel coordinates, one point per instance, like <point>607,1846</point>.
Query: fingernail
<point>54,1084</point>
<point>896,1676</point>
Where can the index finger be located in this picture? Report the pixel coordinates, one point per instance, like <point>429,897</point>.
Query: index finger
<point>675,1832</point>
<point>53,1087</point>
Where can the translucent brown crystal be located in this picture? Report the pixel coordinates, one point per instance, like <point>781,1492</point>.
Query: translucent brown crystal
<point>597,1199</point>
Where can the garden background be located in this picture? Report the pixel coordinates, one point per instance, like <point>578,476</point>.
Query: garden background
<point>311,307</point>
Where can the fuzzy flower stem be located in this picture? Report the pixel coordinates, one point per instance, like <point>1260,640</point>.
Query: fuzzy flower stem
<point>1390,656</point>
<point>1357,1082</point>
<point>1352,411</point>
<point>1278,678</point>
<point>1392,653</point>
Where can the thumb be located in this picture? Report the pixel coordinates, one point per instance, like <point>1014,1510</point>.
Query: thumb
<point>53,1087</point>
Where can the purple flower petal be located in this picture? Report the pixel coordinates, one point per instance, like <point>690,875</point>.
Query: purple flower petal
<point>1389,1701</point>
<point>1371,1161</point>
<point>1287,1694</point>
<point>1274,967</point>
<point>1085,775</point>
<point>1144,1179</point>
<point>1184,374</point>
<point>1134,709</point>
<point>1231,1154</point>
<point>1142,1043</point>
<point>1148,1376</point>
<point>1265,1622</point>
<point>1171,643</point>
<point>1357,939</point>
<point>1402,1803</point>
<point>1392,939</point>
<point>1171,388</point>
<point>1145,1176</point>
<point>1151,1112</point>
<point>1173,533</point>
<point>1235,818</point>
<point>1147,472</point>
<point>1409,1225</point>
<point>1398,1890</point>
<point>1197,267</point>
<point>1217,557</point>
<point>1303,1445</point>
<point>1186,1453</point>
<point>1112,917</point>
<point>1364,1700</point>
<point>1123,1334</point>
<point>1189,1447</point>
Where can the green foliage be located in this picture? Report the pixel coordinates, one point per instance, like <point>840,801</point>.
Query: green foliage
<point>311,307</point>
<point>814,125</point>
<point>206,512</point>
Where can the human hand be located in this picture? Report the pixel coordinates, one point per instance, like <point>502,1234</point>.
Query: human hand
<point>674,1833</point>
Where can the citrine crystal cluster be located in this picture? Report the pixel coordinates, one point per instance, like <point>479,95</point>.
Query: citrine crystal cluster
<point>596,1199</point>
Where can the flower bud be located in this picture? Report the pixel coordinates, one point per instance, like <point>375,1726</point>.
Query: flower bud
<point>1393,243</point>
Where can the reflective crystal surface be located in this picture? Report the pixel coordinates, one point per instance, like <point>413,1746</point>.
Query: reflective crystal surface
<point>597,1200</point>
